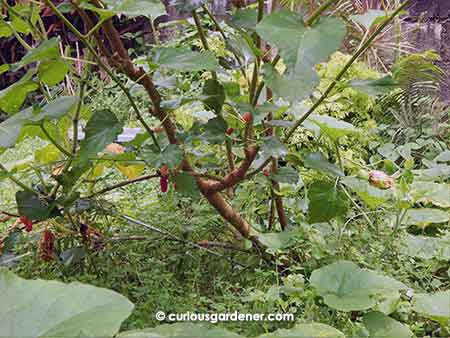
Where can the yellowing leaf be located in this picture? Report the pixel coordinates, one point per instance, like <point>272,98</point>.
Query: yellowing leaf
<point>47,154</point>
<point>96,172</point>
<point>131,171</point>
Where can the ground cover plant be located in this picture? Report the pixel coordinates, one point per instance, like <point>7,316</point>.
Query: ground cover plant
<point>251,163</point>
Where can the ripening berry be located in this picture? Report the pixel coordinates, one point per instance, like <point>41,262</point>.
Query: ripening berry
<point>247,117</point>
<point>27,222</point>
<point>163,183</point>
<point>266,172</point>
<point>164,170</point>
<point>230,131</point>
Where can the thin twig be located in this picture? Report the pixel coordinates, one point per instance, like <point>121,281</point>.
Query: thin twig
<point>210,244</point>
<point>53,141</point>
<point>356,205</point>
<point>123,184</point>
<point>261,83</point>
<point>319,11</point>
<point>201,34</point>
<point>176,238</point>
<point>15,180</point>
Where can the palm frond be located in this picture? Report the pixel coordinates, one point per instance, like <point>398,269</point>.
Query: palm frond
<point>419,80</point>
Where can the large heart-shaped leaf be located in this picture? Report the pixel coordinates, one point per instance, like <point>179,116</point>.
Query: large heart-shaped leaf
<point>426,247</point>
<point>316,330</point>
<point>12,97</point>
<point>184,60</point>
<point>277,240</point>
<point>443,157</point>
<point>180,330</point>
<point>54,110</point>
<point>326,202</point>
<point>435,306</point>
<point>37,308</point>
<point>437,194</point>
<point>380,325</point>
<point>346,287</point>
<point>425,216</point>
<point>301,48</point>
<point>372,196</point>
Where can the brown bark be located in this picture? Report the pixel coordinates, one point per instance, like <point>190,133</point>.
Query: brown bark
<point>278,199</point>
<point>209,188</point>
<point>235,176</point>
<point>227,212</point>
<point>275,186</point>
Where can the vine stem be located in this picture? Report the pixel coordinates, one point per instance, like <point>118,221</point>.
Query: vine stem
<point>15,180</point>
<point>338,154</point>
<point>76,117</point>
<point>356,204</point>
<point>174,237</point>
<point>201,34</point>
<point>319,11</point>
<point>102,65</point>
<point>222,33</point>
<point>53,141</point>
<point>123,184</point>
<point>256,67</point>
<point>261,84</point>
<point>344,70</point>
